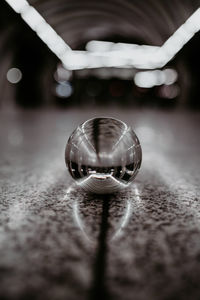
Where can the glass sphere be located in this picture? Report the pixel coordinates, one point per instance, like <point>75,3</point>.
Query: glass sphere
<point>103,155</point>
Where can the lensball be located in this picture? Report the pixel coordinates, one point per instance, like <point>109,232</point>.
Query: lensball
<point>103,155</point>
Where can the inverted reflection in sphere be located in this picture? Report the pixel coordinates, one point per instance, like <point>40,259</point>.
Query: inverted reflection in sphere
<point>103,155</point>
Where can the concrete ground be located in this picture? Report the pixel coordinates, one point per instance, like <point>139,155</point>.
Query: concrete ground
<point>58,242</point>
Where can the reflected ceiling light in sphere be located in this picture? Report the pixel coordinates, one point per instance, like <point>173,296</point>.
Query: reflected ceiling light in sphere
<point>14,75</point>
<point>64,89</point>
<point>103,155</point>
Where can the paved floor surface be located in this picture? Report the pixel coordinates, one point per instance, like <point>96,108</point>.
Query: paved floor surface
<point>58,242</point>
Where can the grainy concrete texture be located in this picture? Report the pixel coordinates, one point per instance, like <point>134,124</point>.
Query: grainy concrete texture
<point>58,242</point>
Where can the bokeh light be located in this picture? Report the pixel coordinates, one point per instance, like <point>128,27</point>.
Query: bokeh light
<point>64,89</point>
<point>14,75</point>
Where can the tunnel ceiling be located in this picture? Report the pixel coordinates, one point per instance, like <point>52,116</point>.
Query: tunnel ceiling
<point>150,22</point>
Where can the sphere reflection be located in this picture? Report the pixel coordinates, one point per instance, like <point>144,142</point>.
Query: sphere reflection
<point>103,155</point>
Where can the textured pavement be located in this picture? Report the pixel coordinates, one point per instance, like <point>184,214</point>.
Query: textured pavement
<point>58,242</point>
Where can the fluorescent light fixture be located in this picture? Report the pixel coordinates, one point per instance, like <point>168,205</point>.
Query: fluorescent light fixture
<point>150,57</point>
<point>146,79</point>
<point>170,76</point>
<point>107,54</point>
<point>103,46</point>
<point>181,36</point>
<point>98,46</point>
<point>36,22</point>
<point>149,79</point>
<point>32,17</point>
<point>18,5</point>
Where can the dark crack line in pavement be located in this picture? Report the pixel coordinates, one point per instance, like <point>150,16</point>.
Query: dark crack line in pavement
<point>99,288</point>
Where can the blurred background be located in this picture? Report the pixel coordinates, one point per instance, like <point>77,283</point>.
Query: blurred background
<point>32,76</point>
